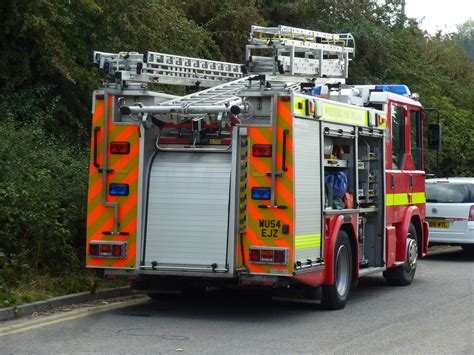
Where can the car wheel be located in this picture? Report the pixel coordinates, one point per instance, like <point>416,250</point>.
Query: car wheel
<point>403,275</point>
<point>335,295</point>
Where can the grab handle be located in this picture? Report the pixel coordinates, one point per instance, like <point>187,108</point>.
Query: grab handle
<point>283,162</point>
<point>94,147</point>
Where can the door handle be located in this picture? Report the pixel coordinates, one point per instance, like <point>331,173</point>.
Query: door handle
<point>392,181</point>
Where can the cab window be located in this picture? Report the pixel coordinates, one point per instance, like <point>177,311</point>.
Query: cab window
<point>398,136</point>
<point>415,138</point>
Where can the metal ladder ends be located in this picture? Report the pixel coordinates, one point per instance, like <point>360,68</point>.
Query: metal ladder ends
<point>155,67</point>
<point>299,52</point>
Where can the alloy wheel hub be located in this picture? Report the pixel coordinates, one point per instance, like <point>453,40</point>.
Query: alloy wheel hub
<point>412,253</point>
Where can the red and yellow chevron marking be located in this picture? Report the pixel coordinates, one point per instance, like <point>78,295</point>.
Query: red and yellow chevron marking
<point>258,233</point>
<point>125,170</point>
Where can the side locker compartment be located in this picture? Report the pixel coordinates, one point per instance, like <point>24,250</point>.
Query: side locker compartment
<point>308,202</point>
<point>266,238</point>
<point>371,196</point>
<point>112,199</point>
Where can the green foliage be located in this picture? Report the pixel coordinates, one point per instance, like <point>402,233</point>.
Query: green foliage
<point>228,23</point>
<point>465,37</point>
<point>42,194</point>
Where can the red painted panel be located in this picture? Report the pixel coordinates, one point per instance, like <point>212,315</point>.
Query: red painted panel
<point>391,246</point>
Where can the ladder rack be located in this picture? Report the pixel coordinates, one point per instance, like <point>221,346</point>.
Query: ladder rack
<point>299,52</point>
<point>154,67</point>
<point>335,42</point>
<point>218,99</point>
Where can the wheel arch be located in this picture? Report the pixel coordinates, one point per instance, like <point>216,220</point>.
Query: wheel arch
<point>347,226</point>
<point>416,221</point>
<point>349,229</point>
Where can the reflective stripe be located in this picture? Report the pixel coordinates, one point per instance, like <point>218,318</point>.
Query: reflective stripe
<point>307,241</point>
<point>344,114</point>
<point>404,198</point>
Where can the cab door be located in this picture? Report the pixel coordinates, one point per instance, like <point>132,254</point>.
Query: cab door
<point>416,168</point>
<point>397,161</point>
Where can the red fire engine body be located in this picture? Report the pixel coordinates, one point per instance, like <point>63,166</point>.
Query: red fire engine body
<point>265,179</point>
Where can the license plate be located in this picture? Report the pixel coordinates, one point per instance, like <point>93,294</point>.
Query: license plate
<point>439,224</point>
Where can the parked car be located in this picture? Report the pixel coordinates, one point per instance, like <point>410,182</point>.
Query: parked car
<point>450,211</point>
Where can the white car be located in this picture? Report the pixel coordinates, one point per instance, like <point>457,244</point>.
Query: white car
<point>450,211</point>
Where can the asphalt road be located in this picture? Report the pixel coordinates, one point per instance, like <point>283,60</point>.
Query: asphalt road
<point>433,315</point>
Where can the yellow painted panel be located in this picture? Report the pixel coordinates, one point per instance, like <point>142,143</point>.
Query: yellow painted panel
<point>404,198</point>
<point>307,241</point>
<point>299,102</point>
<point>344,114</point>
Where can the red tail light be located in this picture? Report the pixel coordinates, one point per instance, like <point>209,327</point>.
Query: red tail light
<point>119,147</point>
<point>279,256</point>
<point>255,255</point>
<point>263,255</point>
<point>471,213</point>
<point>101,249</point>
<point>117,250</point>
<point>262,150</point>
<point>94,249</point>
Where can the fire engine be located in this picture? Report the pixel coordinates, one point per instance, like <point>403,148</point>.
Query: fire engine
<point>273,174</point>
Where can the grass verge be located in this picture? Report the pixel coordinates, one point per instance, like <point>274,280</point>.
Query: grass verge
<point>33,288</point>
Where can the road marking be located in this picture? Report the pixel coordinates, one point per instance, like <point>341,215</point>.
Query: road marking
<point>58,318</point>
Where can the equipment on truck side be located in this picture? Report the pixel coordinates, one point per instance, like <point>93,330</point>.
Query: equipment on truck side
<point>276,175</point>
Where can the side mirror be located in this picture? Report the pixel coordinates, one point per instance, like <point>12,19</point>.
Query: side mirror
<point>434,136</point>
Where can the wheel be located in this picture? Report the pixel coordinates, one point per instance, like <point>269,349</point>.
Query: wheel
<point>335,295</point>
<point>403,275</point>
<point>468,248</point>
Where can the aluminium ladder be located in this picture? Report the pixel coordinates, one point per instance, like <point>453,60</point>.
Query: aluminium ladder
<point>154,67</point>
<point>215,100</point>
<point>299,52</point>
<point>298,55</point>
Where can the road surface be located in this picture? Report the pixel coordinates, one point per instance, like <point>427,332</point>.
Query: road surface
<point>433,315</point>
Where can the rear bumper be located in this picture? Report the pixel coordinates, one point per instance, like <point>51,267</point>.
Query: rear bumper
<point>448,237</point>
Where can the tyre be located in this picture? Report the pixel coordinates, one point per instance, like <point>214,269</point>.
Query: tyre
<point>403,275</point>
<point>335,295</point>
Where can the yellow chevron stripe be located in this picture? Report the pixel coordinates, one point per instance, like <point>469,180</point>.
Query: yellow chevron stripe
<point>403,199</point>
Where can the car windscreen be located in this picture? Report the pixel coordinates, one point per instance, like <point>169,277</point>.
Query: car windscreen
<point>450,193</point>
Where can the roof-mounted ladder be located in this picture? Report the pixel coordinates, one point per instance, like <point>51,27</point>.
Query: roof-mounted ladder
<point>154,67</point>
<point>215,100</point>
<point>299,52</point>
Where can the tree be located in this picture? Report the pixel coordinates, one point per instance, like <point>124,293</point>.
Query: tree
<point>465,37</point>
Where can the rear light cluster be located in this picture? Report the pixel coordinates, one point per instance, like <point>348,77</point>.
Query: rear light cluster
<point>262,150</point>
<point>471,213</point>
<point>263,255</point>
<point>108,249</point>
<point>119,147</point>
